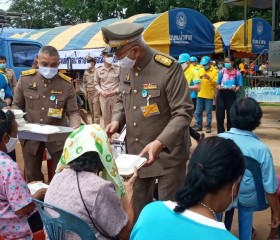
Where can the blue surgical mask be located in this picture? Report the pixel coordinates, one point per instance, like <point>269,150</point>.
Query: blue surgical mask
<point>220,66</point>
<point>2,65</point>
<point>228,65</point>
<point>206,67</point>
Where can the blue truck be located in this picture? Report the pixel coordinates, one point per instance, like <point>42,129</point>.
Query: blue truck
<point>20,53</point>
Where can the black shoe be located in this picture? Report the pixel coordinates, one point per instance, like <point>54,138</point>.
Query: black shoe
<point>202,136</point>
<point>208,130</point>
<point>197,128</point>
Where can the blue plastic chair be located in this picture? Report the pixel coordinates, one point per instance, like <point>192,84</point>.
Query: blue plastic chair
<point>56,226</point>
<point>245,214</point>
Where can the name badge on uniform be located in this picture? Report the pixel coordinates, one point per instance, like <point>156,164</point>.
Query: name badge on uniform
<point>150,110</point>
<point>55,113</point>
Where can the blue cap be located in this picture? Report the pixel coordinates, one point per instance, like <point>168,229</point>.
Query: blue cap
<point>184,57</point>
<point>205,60</point>
<point>193,59</point>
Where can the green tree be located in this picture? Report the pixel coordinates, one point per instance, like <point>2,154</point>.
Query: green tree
<point>51,13</point>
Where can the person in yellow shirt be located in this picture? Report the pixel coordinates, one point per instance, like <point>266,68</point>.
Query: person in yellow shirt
<point>206,95</point>
<point>242,66</point>
<point>198,67</point>
<point>193,79</point>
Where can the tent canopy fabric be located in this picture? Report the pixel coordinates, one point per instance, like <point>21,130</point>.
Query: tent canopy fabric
<point>259,33</point>
<point>172,32</point>
<point>8,32</point>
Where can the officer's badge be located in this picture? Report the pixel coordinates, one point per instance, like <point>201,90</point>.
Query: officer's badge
<point>33,86</point>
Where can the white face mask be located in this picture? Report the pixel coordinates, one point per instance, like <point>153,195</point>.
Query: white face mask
<point>233,203</point>
<point>126,62</point>
<point>184,65</point>
<point>11,144</point>
<point>109,60</point>
<point>48,72</point>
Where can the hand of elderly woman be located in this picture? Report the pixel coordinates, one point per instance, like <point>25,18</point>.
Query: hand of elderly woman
<point>130,181</point>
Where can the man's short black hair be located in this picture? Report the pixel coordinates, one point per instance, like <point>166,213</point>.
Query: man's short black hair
<point>245,114</point>
<point>3,58</point>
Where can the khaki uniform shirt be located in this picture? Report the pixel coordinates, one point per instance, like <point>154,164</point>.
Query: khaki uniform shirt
<point>11,77</point>
<point>35,95</point>
<point>88,81</point>
<point>161,78</point>
<point>107,79</point>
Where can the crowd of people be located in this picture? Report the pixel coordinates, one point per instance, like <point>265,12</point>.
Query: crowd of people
<point>155,97</point>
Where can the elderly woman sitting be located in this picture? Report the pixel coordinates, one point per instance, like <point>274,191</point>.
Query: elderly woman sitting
<point>105,203</point>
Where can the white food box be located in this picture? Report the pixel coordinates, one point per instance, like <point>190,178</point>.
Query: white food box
<point>21,122</point>
<point>127,162</point>
<point>17,112</point>
<point>43,129</point>
<point>35,186</point>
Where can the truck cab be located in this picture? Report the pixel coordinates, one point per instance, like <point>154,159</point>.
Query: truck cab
<point>20,53</point>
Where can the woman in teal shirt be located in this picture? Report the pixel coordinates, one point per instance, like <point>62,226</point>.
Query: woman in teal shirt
<point>212,184</point>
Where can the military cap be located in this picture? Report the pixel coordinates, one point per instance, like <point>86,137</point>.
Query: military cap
<point>117,35</point>
<point>107,49</point>
<point>90,59</point>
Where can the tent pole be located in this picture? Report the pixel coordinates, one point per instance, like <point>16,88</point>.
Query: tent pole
<point>274,19</point>
<point>245,23</point>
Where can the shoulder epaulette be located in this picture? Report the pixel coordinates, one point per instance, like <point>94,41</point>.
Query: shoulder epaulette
<point>28,72</point>
<point>65,77</point>
<point>166,61</point>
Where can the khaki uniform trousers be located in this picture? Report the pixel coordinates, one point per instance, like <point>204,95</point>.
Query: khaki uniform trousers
<point>107,105</point>
<point>168,185</point>
<point>94,106</point>
<point>33,160</point>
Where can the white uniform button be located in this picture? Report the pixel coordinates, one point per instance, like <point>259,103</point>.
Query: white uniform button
<point>134,107</point>
<point>44,96</point>
<point>45,85</point>
<point>134,124</point>
<point>136,139</point>
<point>136,74</point>
<point>30,97</point>
<point>43,108</point>
<point>135,91</point>
<point>41,120</point>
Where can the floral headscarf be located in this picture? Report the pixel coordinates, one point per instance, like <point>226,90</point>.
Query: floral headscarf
<point>92,138</point>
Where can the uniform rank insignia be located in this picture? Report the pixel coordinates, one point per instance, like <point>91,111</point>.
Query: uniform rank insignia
<point>166,61</point>
<point>127,79</point>
<point>28,72</point>
<point>32,86</point>
<point>56,91</point>
<point>65,77</point>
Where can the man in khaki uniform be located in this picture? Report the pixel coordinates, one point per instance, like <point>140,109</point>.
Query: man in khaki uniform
<point>106,82</point>
<point>9,73</point>
<point>91,93</point>
<point>47,97</point>
<point>156,107</point>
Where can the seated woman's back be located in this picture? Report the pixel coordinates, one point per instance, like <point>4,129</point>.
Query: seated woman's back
<point>98,195</point>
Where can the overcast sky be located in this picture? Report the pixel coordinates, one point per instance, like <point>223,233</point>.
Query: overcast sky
<point>4,6</point>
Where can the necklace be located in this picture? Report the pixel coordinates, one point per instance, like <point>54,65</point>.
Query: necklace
<point>210,209</point>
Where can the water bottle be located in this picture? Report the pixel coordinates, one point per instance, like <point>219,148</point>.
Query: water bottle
<point>2,94</point>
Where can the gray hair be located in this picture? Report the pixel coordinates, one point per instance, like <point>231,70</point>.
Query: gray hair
<point>49,50</point>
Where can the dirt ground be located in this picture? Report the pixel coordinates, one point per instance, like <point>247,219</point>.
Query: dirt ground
<point>269,133</point>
